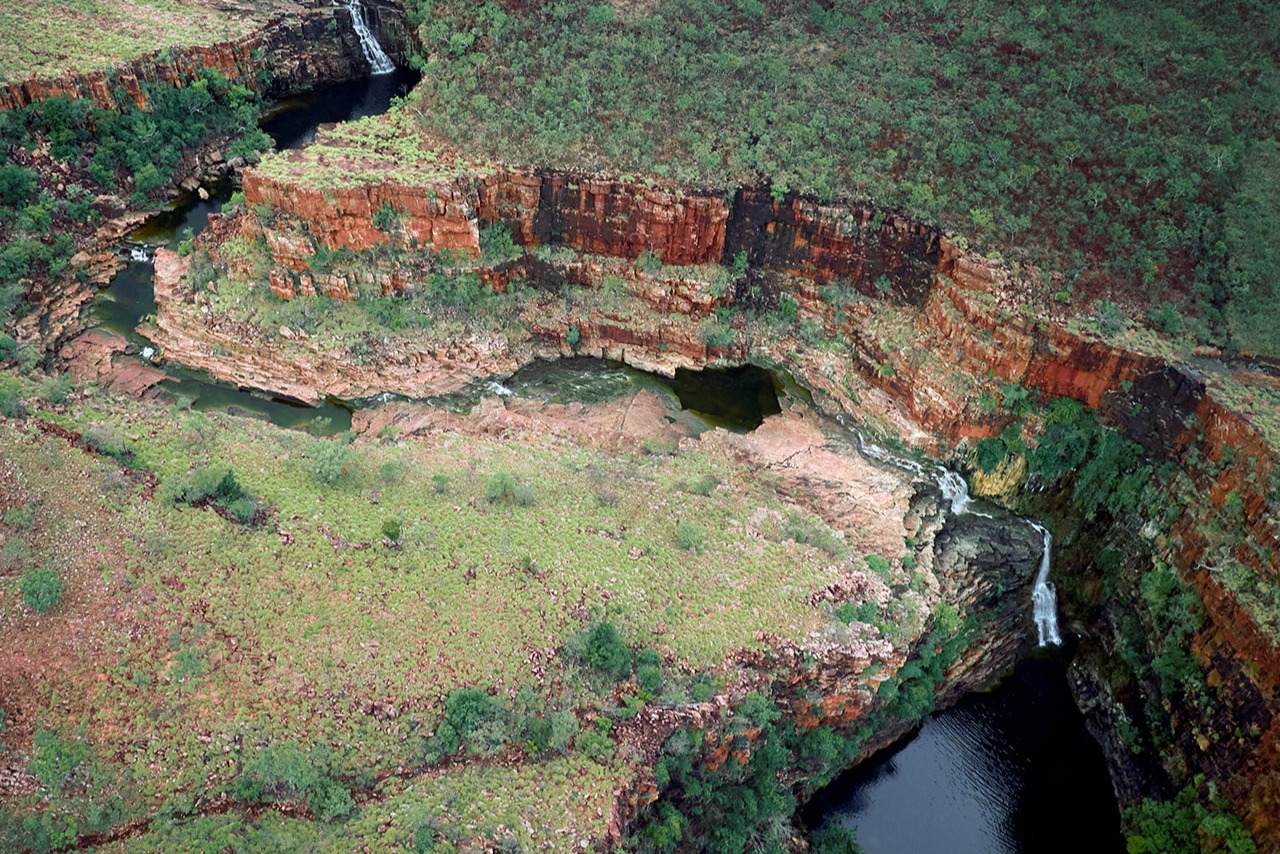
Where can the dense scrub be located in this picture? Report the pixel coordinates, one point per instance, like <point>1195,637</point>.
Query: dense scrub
<point>58,157</point>
<point>1124,145</point>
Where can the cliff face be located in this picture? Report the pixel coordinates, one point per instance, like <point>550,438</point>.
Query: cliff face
<point>310,45</point>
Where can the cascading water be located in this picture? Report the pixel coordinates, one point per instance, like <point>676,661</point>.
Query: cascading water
<point>1044,598</point>
<point>954,489</point>
<point>379,62</point>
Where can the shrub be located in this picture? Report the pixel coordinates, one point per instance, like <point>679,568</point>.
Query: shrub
<point>55,759</point>
<point>1110,319</point>
<point>812,532</point>
<point>41,588</point>
<point>573,336</point>
<point>55,390</point>
<point>476,718</point>
<point>497,245</point>
<point>215,485</point>
<point>11,405</point>
<point>8,347</point>
<point>601,647</point>
<point>1165,318</point>
<point>552,734</point>
<point>440,483</point>
<point>391,529</point>
<point>648,674</point>
<point>504,488</point>
<point>386,218</point>
<point>105,439</point>
<point>877,564</point>
<point>501,487</point>
<point>704,485</point>
<point>330,460</point>
<point>23,518</point>
<point>690,537</point>
<point>594,741</point>
<point>17,183</point>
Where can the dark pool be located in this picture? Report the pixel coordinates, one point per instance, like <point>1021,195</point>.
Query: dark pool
<point>737,398</point>
<point>1009,771</point>
<point>293,121</point>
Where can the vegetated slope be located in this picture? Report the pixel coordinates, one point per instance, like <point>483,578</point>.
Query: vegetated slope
<point>43,37</point>
<point>251,616</point>
<point>1105,141</point>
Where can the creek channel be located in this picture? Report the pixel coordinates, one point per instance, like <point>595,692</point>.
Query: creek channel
<point>130,296</point>
<point>1010,770</point>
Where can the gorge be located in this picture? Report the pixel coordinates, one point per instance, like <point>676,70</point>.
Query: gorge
<point>645,497</point>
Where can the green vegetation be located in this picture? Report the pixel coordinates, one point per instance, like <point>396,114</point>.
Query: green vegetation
<point>255,631</point>
<point>740,802</point>
<point>1108,472</point>
<point>1186,825</point>
<point>103,150</point>
<point>41,588</point>
<point>216,485</point>
<point>1046,133</point>
<point>50,37</point>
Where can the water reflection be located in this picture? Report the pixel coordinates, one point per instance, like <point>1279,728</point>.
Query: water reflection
<point>1012,771</point>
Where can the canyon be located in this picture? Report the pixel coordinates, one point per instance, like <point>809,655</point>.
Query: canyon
<point>928,328</point>
<point>880,320</point>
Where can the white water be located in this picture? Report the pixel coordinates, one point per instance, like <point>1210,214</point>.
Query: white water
<point>379,62</point>
<point>1044,598</point>
<point>139,254</point>
<point>954,489</point>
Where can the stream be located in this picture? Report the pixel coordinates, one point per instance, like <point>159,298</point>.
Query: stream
<point>130,296</point>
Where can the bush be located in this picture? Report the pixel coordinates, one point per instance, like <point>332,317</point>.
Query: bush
<point>330,460</point>
<point>440,483</point>
<point>41,589</point>
<point>55,390</point>
<point>54,759</point>
<point>648,674</point>
<point>477,718</point>
<point>8,346</point>
<point>1110,319</point>
<point>594,741</point>
<point>11,405</point>
<point>552,734</point>
<point>1165,318</point>
<point>601,647</point>
<point>503,488</point>
<point>105,439</point>
<point>690,537</point>
<point>215,485</point>
<point>23,518</point>
<point>386,218</point>
<point>17,183</point>
<point>391,529</point>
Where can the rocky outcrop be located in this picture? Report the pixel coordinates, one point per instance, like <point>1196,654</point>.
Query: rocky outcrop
<point>304,45</point>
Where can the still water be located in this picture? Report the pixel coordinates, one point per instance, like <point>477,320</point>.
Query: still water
<point>1009,771</point>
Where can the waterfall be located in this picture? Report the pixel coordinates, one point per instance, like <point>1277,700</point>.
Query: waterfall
<point>139,254</point>
<point>1044,599</point>
<point>379,62</point>
<point>954,489</point>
